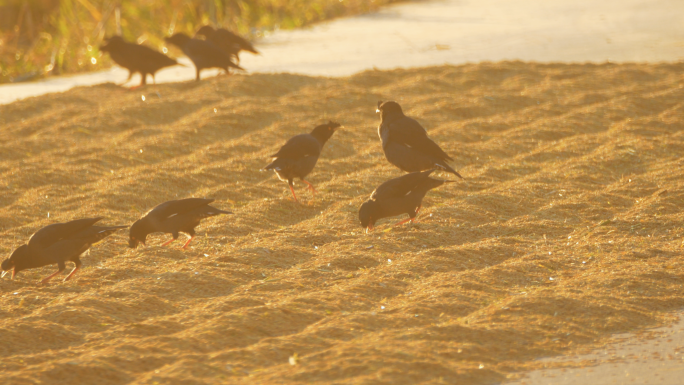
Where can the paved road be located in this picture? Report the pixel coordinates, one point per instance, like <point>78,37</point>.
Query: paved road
<point>448,31</point>
<point>629,359</point>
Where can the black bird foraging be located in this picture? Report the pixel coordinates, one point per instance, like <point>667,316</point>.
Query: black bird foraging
<point>173,217</point>
<point>204,54</point>
<point>398,196</point>
<point>57,244</point>
<point>136,58</point>
<point>406,144</point>
<point>298,156</point>
<point>229,42</point>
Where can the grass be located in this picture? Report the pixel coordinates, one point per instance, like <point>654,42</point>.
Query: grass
<point>62,36</point>
<point>568,229</point>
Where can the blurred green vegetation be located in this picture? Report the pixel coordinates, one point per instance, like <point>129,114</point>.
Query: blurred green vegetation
<point>49,37</point>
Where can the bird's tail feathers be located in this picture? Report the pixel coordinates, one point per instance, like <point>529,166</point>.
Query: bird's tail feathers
<point>215,211</point>
<point>445,166</point>
<point>277,164</point>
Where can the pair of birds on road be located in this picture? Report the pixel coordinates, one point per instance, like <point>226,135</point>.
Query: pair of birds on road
<point>404,142</point>
<point>219,50</point>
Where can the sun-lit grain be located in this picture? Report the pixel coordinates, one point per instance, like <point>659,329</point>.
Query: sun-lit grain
<point>567,229</point>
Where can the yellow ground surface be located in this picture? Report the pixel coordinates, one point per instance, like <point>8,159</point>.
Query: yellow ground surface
<point>568,229</point>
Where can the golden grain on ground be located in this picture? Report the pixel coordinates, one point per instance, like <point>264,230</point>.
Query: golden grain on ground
<point>567,230</point>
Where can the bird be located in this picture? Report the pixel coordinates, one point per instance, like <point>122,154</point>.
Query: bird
<point>298,156</point>
<point>228,41</point>
<point>204,54</point>
<point>406,144</point>
<point>57,244</point>
<point>398,196</point>
<point>173,217</point>
<point>136,58</point>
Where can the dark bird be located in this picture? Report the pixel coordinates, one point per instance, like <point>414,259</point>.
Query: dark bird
<point>204,54</point>
<point>398,196</point>
<point>136,58</point>
<point>57,243</point>
<point>173,217</point>
<point>406,144</point>
<point>297,158</point>
<point>229,42</point>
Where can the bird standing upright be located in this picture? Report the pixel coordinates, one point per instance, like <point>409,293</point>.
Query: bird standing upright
<point>398,196</point>
<point>298,156</point>
<point>136,58</point>
<point>204,54</point>
<point>406,144</point>
<point>228,41</point>
<point>173,217</point>
<point>57,244</point>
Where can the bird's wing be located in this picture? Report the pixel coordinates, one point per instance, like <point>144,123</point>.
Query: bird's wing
<point>410,133</point>
<point>147,54</point>
<point>384,134</point>
<point>52,234</point>
<point>203,48</point>
<point>298,147</point>
<point>229,37</point>
<point>94,234</point>
<point>172,208</point>
<point>399,187</point>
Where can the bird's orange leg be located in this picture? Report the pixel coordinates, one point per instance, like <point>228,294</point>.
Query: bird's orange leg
<point>167,242</point>
<point>72,273</point>
<point>311,187</point>
<point>293,193</point>
<point>46,279</point>
<point>404,221</point>
<point>185,246</point>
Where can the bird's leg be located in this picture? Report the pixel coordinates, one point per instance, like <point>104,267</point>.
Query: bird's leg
<point>61,269</point>
<point>197,78</point>
<point>185,246</point>
<point>311,187</point>
<point>168,242</point>
<point>293,193</point>
<point>78,266</point>
<point>130,75</point>
<point>415,219</point>
<point>404,221</point>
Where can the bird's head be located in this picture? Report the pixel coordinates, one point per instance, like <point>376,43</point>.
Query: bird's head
<point>388,109</point>
<point>111,43</point>
<point>368,214</point>
<point>205,31</point>
<point>138,234</point>
<point>325,131</point>
<point>14,261</point>
<point>178,39</point>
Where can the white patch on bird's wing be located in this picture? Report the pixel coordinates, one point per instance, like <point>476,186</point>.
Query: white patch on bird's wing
<point>172,215</point>
<point>277,168</point>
